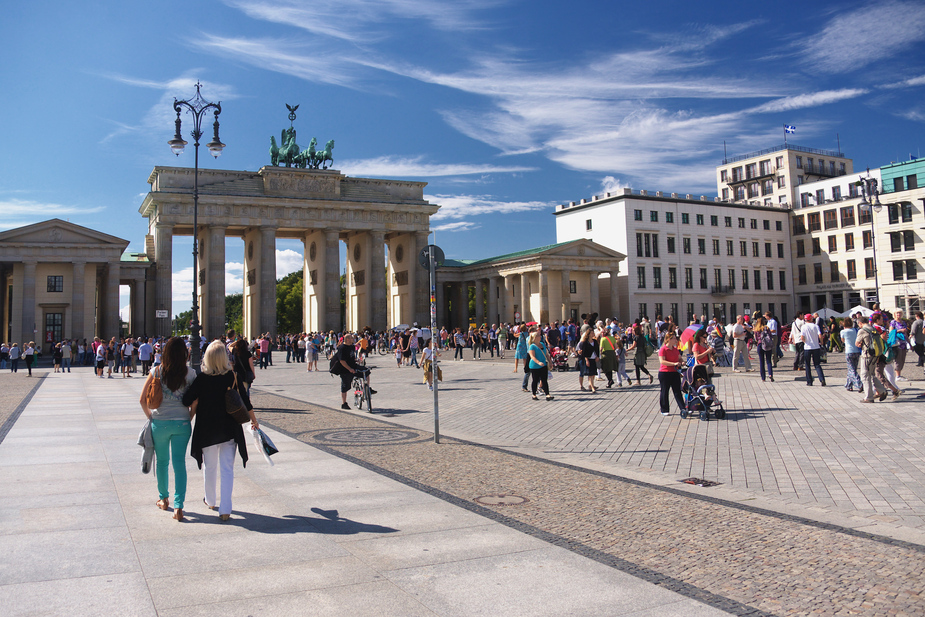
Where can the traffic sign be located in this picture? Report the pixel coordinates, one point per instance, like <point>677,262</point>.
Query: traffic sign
<point>424,257</point>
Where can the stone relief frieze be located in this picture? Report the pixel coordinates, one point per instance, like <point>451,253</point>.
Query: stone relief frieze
<point>289,185</point>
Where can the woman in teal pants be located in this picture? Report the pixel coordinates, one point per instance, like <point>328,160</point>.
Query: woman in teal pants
<point>171,424</point>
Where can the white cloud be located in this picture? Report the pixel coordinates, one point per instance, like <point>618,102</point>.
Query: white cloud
<point>812,99</point>
<point>611,185</point>
<point>906,83</point>
<point>20,212</point>
<point>125,312</point>
<point>459,206</point>
<point>873,32</point>
<point>398,167</point>
<point>287,262</point>
<point>457,226</point>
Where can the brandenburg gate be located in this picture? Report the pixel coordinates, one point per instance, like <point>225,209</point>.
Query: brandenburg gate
<point>384,223</point>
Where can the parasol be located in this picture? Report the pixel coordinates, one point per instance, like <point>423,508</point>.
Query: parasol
<point>688,335</point>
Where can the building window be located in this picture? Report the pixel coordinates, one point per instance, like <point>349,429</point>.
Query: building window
<point>703,278</point>
<point>690,311</point>
<point>909,240</point>
<point>782,182</point>
<point>658,308</point>
<point>769,278</point>
<point>767,225</point>
<point>817,272</point>
<point>830,219</point>
<point>641,277</point>
<point>717,277</point>
<point>757,280</point>
<point>911,270</point>
<point>732,277</point>
<point>716,247</point>
<point>833,244</point>
<point>778,226</point>
<point>836,193</point>
<point>799,162</point>
<point>815,223</point>
<point>833,272</point>
<point>654,245</point>
<point>898,270</point>
<point>637,215</point>
<point>753,189</point>
<point>849,242</point>
<point>653,216</point>
<point>688,278</point>
<point>743,248</point>
<point>744,278</point>
<point>898,184</point>
<point>896,242</point>
<point>906,209</point>
<point>798,227</point>
<point>672,278</point>
<point>767,186</point>
<point>638,245</point>
<point>851,270</point>
<point>863,216</point>
<point>669,217</point>
<point>817,246</point>
<point>573,287</point>
<point>801,274</point>
<point>588,225</point>
<point>782,279</point>
<point>722,175</point>
<point>700,219</point>
<point>648,244</point>
<point>657,277</point>
<point>869,267</point>
<point>687,246</point>
<point>643,309</point>
<point>714,220</point>
<point>912,182</point>
<point>671,244</point>
<point>728,221</point>
<point>55,283</point>
<point>893,210</point>
<point>685,218</point>
<point>730,248</point>
<point>741,223</point>
<point>780,250</point>
<point>725,194</point>
<point>754,249</point>
<point>701,246</point>
<point>767,250</point>
<point>867,240</point>
<point>801,249</point>
<point>847,216</point>
<point>754,223</point>
<point>674,310</point>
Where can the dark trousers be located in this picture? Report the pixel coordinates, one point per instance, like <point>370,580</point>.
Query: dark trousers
<point>764,362</point>
<point>920,352</point>
<point>540,377</point>
<point>494,347</point>
<point>798,357</point>
<point>643,369</point>
<point>814,355</point>
<point>670,381</point>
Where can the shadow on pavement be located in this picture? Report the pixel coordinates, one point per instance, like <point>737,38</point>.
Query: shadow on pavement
<point>330,523</point>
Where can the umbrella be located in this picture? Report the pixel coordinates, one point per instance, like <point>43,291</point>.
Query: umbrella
<point>688,335</point>
<point>827,313</point>
<point>531,323</point>
<point>403,326</point>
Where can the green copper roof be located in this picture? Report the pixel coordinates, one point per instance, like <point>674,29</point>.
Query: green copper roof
<point>461,263</point>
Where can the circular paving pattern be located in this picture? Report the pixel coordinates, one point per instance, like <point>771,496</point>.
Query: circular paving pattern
<point>501,499</point>
<point>366,436</point>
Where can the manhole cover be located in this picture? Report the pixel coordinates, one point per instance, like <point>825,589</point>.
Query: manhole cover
<point>501,499</point>
<point>366,436</point>
<point>699,482</point>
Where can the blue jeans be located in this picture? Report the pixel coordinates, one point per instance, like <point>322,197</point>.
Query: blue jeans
<point>66,364</point>
<point>414,356</point>
<point>764,363</point>
<point>814,355</point>
<point>170,440</point>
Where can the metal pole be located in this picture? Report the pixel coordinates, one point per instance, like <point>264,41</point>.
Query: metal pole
<point>434,364</point>
<point>873,244</point>
<point>195,339</point>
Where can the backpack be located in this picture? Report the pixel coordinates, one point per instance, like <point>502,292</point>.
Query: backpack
<point>767,340</point>
<point>876,347</point>
<point>335,367</point>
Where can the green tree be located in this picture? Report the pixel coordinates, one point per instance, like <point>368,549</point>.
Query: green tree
<point>181,322</point>
<point>289,311</point>
<point>234,312</point>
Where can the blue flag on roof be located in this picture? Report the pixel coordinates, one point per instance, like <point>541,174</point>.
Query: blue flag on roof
<point>789,128</point>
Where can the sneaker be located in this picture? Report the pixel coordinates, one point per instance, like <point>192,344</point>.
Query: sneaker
<point>665,413</point>
<point>345,406</point>
<point>431,388</point>
<point>901,379</point>
<point>371,391</point>
<point>895,396</point>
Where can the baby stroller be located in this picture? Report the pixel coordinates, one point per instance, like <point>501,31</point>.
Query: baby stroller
<point>700,394</point>
<point>559,359</point>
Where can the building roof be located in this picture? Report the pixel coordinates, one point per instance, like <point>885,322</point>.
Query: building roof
<point>461,263</point>
<point>795,148</point>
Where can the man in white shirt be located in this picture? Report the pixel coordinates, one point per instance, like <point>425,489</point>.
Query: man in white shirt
<point>797,341</point>
<point>773,326</point>
<point>812,349</point>
<point>740,349</point>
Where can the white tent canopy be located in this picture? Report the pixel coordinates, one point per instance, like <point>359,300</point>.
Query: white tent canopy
<point>854,310</point>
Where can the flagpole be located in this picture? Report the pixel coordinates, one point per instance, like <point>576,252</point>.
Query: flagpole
<point>785,135</point>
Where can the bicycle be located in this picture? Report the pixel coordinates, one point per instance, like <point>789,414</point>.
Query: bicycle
<point>361,393</point>
<point>382,346</point>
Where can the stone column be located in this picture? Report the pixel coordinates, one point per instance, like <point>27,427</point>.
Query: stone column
<point>29,324</point>
<point>110,301</point>
<point>479,301</point>
<point>421,300</point>
<point>544,297</point>
<point>615,297</point>
<point>137,304</point>
<point>78,301</point>
<point>441,304</point>
<point>214,320</point>
<point>507,313</point>
<point>331,281</point>
<point>493,317</point>
<point>595,293</point>
<point>525,297</point>
<point>566,296</point>
<point>462,299</point>
<point>267,280</point>
<point>376,279</point>
<point>4,301</point>
<point>163,285</point>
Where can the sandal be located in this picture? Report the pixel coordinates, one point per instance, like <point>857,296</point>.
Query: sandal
<point>178,514</point>
<point>549,398</point>
<point>207,505</point>
<point>534,398</point>
<point>163,504</point>
<point>224,517</point>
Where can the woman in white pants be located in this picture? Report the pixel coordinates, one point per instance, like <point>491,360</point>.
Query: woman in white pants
<point>216,434</point>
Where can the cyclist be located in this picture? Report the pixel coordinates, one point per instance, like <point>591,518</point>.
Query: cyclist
<point>346,358</point>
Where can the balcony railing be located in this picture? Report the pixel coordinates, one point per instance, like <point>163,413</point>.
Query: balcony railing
<point>722,290</point>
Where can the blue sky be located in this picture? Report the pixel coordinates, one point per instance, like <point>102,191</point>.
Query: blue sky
<point>504,108</point>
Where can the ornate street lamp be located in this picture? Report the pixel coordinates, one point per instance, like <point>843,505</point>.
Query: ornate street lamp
<point>197,106</point>
<point>870,201</point>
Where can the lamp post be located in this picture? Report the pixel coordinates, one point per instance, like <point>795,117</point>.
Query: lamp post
<point>197,106</point>
<point>870,200</point>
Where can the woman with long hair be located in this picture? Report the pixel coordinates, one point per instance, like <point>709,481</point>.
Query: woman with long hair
<point>764,341</point>
<point>638,347</point>
<point>670,362</point>
<point>171,424</point>
<point>243,364</point>
<point>538,363</point>
<point>216,434</point>
<point>587,360</point>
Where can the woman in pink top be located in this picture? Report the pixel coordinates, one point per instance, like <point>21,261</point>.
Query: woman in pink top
<point>669,362</point>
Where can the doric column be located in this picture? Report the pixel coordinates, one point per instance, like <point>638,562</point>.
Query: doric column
<point>462,299</point>
<point>479,301</point>
<point>544,297</point>
<point>331,280</point>
<point>214,319</point>
<point>615,297</point>
<point>29,325</point>
<point>595,293</point>
<point>4,300</point>
<point>137,304</point>
<point>421,300</point>
<point>78,301</point>
<point>267,280</point>
<point>493,316</point>
<point>525,296</point>
<point>507,312</point>
<point>111,301</point>
<point>566,296</point>
<point>441,304</point>
<point>376,278</point>
<point>163,285</point>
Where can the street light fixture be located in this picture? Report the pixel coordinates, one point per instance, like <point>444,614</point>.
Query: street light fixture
<point>197,106</point>
<point>870,200</point>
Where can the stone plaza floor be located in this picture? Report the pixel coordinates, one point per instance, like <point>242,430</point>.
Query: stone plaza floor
<point>572,506</point>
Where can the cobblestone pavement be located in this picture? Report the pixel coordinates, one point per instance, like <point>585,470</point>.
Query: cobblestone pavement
<point>15,391</point>
<point>796,449</point>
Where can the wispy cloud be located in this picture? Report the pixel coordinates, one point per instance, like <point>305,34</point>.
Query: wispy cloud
<point>20,212</point>
<point>857,38</point>
<point>461,206</point>
<point>416,167</point>
<point>457,226</point>
<point>611,185</point>
<point>906,83</point>
<point>812,99</point>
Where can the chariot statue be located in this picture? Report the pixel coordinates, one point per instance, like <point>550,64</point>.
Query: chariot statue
<point>288,153</point>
